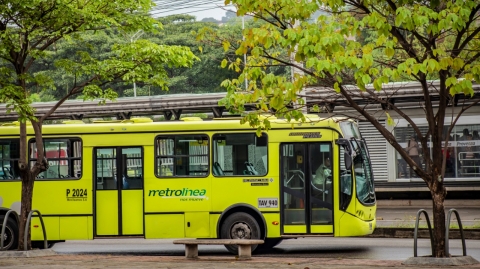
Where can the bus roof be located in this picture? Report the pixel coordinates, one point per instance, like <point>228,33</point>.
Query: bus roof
<point>192,124</point>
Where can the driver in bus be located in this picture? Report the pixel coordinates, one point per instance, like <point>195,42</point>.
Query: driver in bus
<point>323,173</point>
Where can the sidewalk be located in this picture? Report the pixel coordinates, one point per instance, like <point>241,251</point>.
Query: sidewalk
<point>394,219</point>
<point>209,262</point>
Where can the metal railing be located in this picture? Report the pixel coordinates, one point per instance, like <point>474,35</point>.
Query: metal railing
<point>4,224</point>
<point>27,228</point>
<point>460,226</point>
<point>416,231</point>
<point>447,251</point>
<point>470,167</point>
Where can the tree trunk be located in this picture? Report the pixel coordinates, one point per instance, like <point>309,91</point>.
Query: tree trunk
<point>438,198</point>
<point>27,197</point>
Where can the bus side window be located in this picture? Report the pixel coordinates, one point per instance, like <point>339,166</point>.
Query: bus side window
<point>64,157</point>
<point>9,155</point>
<point>239,154</point>
<point>181,155</point>
<point>346,182</point>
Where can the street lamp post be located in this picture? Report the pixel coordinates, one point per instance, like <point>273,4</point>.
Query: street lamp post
<point>133,38</point>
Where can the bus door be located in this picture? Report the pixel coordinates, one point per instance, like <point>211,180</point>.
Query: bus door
<point>307,189</point>
<point>118,178</point>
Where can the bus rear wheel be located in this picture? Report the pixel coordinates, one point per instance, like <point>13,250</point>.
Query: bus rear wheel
<point>10,238</point>
<point>239,225</point>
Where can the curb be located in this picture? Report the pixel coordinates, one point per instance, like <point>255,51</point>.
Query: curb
<point>452,261</point>
<point>27,254</point>
<point>422,233</point>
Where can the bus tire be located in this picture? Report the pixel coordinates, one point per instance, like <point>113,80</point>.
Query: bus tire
<point>268,244</point>
<point>239,225</point>
<point>40,244</point>
<point>10,240</point>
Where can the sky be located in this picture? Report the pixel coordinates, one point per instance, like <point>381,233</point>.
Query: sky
<point>198,8</point>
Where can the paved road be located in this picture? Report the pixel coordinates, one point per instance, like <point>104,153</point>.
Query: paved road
<point>345,248</point>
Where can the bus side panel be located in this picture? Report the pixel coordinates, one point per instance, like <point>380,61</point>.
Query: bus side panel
<point>164,226</point>
<point>213,225</point>
<point>197,224</point>
<point>63,197</point>
<point>51,227</point>
<point>10,195</point>
<point>75,228</point>
<point>249,189</point>
<point>272,230</point>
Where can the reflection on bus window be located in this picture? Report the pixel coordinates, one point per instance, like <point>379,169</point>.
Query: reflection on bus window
<point>106,169</point>
<point>64,158</point>
<point>363,173</point>
<point>181,155</point>
<point>9,155</point>
<point>239,155</point>
<point>132,164</point>
<point>345,182</point>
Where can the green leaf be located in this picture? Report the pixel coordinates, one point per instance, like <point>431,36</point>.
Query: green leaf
<point>224,63</point>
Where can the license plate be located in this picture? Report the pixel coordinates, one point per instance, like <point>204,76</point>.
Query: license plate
<point>267,202</point>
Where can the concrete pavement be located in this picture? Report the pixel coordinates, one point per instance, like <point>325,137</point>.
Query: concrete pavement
<point>135,262</point>
<point>393,215</point>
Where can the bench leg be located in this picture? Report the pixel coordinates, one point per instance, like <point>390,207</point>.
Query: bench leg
<point>191,251</point>
<point>244,252</point>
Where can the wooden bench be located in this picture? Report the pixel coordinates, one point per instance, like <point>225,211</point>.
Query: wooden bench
<point>244,246</point>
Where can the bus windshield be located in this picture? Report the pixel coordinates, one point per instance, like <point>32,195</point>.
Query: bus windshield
<point>350,130</point>
<point>363,172</point>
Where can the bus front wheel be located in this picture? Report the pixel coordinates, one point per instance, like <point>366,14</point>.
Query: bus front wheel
<point>239,225</point>
<point>10,238</point>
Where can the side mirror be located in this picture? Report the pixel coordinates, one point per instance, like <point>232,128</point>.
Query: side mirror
<point>348,161</point>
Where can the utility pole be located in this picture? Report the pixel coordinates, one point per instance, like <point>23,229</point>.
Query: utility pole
<point>133,38</point>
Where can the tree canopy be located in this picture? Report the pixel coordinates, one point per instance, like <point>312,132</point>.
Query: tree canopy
<point>354,50</point>
<point>29,34</point>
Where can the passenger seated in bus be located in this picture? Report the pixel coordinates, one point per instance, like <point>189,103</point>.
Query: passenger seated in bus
<point>323,174</point>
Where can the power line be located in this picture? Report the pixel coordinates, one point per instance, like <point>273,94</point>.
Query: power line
<point>177,6</point>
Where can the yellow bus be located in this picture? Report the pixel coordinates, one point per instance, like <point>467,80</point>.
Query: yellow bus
<point>193,178</point>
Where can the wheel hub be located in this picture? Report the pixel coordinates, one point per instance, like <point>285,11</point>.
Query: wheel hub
<point>6,242</point>
<point>241,231</point>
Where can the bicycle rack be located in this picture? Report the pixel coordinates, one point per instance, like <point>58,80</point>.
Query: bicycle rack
<point>416,232</point>
<point>447,251</point>
<point>447,230</point>
<point>27,227</point>
<point>4,224</point>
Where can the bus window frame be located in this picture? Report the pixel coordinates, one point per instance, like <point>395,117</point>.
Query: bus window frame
<point>174,156</point>
<point>10,160</point>
<point>362,146</point>
<point>30,159</point>
<point>264,134</point>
